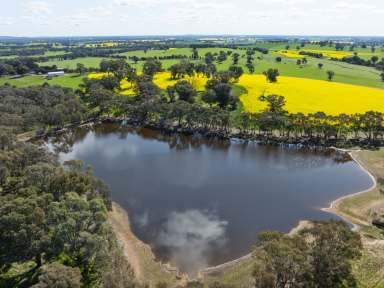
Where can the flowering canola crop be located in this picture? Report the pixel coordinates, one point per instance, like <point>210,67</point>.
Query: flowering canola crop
<point>326,53</point>
<point>125,85</point>
<point>163,80</point>
<point>311,96</point>
<point>98,75</point>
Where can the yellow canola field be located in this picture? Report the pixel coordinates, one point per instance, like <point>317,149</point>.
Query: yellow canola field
<point>126,86</point>
<point>163,80</point>
<point>326,53</point>
<point>290,53</point>
<point>311,96</point>
<point>97,75</point>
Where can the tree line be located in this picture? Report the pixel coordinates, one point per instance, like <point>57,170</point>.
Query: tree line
<point>373,62</point>
<point>181,104</point>
<point>53,217</point>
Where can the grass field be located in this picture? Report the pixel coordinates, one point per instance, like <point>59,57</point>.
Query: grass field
<point>311,96</point>
<point>69,80</point>
<point>89,62</point>
<point>344,73</point>
<point>297,82</point>
<point>55,53</point>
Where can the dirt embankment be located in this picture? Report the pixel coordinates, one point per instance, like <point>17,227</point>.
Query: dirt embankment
<point>140,256</point>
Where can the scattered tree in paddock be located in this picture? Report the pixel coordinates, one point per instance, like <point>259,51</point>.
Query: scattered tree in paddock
<point>271,75</point>
<point>235,58</point>
<point>152,66</point>
<point>251,68</point>
<point>195,53</point>
<point>80,68</point>
<point>330,75</point>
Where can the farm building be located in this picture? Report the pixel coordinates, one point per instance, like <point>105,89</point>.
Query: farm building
<point>52,74</point>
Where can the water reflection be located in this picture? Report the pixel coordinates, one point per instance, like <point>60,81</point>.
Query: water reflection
<point>190,236</point>
<point>201,201</point>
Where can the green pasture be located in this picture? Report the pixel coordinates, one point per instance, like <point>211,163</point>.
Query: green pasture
<point>344,73</point>
<point>69,80</point>
<point>89,62</point>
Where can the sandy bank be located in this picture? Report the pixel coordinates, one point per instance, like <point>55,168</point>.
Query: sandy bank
<point>140,256</point>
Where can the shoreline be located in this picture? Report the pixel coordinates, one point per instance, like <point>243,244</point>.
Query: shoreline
<point>332,209</point>
<point>139,254</point>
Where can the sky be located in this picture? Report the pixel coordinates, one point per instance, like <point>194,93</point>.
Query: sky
<point>199,17</point>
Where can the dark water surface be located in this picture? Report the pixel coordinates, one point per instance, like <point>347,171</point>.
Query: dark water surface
<point>201,202</point>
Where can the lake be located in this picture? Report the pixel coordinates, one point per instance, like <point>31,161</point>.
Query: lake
<point>201,202</point>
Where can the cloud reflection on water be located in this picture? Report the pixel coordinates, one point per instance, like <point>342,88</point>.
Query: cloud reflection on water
<point>189,237</point>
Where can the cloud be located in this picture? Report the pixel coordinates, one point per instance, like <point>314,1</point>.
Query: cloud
<point>164,17</point>
<point>5,21</point>
<point>37,8</point>
<point>110,155</point>
<point>190,236</point>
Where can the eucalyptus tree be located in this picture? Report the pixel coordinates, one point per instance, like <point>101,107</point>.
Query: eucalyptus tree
<point>271,74</point>
<point>80,68</point>
<point>330,75</point>
<point>185,91</point>
<point>209,58</point>
<point>275,103</point>
<point>195,53</point>
<point>251,68</point>
<point>237,72</point>
<point>218,92</point>
<point>235,58</point>
<point>222,56</point>
<point>200,69</point>
<point>151,66</point>
<point>318,257</point>
<point>374,59</point>
<point>146,89</point>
